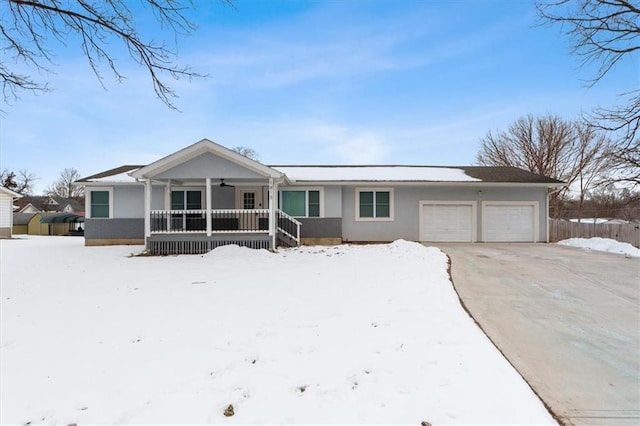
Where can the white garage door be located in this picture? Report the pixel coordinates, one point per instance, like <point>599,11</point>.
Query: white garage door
<point>447,222</point>
<point>505,222</point>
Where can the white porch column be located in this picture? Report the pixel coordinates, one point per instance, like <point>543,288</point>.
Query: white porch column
<point>167,196</point>
<point>273,213</point>
<point>147,208</point>
<point>167,202</point>
<point>208,196</point>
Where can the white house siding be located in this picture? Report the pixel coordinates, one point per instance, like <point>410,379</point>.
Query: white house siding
<point>6,214</point>
<point>406,223</point>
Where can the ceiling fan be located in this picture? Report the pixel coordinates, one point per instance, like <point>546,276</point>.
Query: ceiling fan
<point>223,184</point>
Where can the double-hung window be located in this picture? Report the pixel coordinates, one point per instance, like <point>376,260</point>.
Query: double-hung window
<point>186,200</point>
<point>374,204</point>
<point>183,199</point>
<point>300,202</point>
<point>100,203</point>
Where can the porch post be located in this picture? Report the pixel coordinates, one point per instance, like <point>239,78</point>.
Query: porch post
<point>208,196</point>
<point>273,213</point>
<point>167,202</point>
<point>167,196</point>
<point>147,208</point>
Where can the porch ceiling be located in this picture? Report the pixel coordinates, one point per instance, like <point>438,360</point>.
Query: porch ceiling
<point>228,183</point>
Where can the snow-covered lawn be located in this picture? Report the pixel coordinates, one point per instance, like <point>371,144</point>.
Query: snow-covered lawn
<point>602,244</point>
<point>346,334</point>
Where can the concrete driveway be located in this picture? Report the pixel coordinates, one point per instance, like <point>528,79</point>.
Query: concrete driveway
<point>568,319</point>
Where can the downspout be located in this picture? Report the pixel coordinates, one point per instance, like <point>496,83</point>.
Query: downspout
<point>273,210</point>
<point>207,182</point>
<point>147,211</point>
<point>548,202</point>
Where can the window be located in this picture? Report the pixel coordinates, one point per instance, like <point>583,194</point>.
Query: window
<point>100,204</point>
<point>186,200</point>
<point>374,204</point>
<point>301,203</point>
<point>249,200</point>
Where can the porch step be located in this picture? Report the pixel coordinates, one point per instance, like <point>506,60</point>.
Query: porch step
<point>285,240</point>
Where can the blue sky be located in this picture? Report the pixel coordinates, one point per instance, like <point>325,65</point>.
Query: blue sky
<point>316,82</point>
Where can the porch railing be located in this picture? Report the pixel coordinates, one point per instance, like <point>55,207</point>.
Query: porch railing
<point>289,226</point>
<point>222,221</point>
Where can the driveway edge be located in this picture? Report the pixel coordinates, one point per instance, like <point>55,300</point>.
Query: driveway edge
<point>561,421</point>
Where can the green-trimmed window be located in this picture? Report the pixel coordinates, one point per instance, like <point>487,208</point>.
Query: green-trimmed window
<point>99,204</point>
<point>186,200</point>
<point>374,204</point>
<point>300,203</point>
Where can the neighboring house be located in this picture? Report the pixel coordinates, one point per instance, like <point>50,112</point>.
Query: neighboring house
<point>7,198</point>
<point>46,223</point>
<point>35,204</point>
<point>206,195</point>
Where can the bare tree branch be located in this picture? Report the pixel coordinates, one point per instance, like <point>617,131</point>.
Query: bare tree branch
<point>63,186</point>
<point>247,152</point>
<point>572,152</point>
<point>27,26</point>
<point>22,182</point>
<point>603,33</point>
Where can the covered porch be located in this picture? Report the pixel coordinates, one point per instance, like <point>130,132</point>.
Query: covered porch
<point>206,196</point>
<point>199,231</point>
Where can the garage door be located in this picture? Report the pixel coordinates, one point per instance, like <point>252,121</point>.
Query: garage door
<point>505,222</point>
<point>447,222</point>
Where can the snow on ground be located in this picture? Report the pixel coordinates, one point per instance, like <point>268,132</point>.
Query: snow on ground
<point>345,334</point>
<point>602,244</point>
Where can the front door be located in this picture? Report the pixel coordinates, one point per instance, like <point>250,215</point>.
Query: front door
<point>251,198</point>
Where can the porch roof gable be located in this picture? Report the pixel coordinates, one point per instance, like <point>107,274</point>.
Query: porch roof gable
<point>199,148</point>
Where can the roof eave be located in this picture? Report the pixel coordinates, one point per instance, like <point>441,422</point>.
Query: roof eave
<point>423,183</point>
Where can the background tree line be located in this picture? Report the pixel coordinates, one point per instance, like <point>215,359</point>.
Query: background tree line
<point>23,183</point>
<point>573,151</point>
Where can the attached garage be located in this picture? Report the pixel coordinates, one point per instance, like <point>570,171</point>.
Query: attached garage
<point>447,221</point>
<point>510,221</point>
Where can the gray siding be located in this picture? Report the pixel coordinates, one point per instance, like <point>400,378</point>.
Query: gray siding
<point>332,201</point>
<point>209,165</point>
<point>321,227</point>
<point>128,201</point>
<point>113,228</point>
<point>406,207</point>
<point>222,198</point>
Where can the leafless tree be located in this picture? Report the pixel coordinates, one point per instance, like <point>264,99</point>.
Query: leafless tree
<point>21,182</point>
<point>603,33</point>
<point>592,164</point>
<point>63,186</point>
<point>572,152</point>
<point>28,27</point>
<point>247,152</point>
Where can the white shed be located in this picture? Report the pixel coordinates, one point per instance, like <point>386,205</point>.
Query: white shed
<point>6,211</point>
